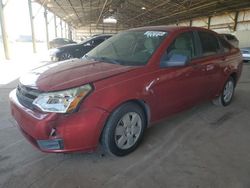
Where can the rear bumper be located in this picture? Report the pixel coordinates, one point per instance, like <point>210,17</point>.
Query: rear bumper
<point>246,59</point>
<point>51,132</point>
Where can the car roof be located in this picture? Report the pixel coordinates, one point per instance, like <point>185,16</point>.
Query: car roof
<point>101,35</point>
<point>169,28</point>
<point>59,38</point>
<point>226,34</point>
<point>246,48</point>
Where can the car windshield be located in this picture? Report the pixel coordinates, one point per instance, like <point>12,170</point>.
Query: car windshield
<point>130,48</point>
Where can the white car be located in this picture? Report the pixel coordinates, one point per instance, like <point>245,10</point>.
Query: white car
<point>245,53</point>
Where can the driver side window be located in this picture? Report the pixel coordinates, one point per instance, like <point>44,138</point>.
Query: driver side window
<point>180,51</point>
<point>183,45</point>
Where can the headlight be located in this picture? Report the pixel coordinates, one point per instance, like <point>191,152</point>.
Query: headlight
<point>62,101</point>
<point>53,51</point>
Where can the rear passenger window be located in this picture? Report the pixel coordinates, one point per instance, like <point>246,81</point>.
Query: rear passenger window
<point>225,45</point>
<point>209,44</point>
<point>230,37</point>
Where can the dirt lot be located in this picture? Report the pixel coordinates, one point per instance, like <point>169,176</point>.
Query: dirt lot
<point>206,147</point>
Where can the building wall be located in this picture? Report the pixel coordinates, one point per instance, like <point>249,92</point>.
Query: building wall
<point>244,38</point>
<point>243,29</point>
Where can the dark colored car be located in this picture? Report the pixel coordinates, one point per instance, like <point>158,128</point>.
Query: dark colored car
<point>245,54</point>
<point>123,86</point>
<point>77,50</point>
<point>231,39</point>
<point>58,42</point>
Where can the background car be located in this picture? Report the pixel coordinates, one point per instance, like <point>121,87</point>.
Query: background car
<point>245,53</point>
<point>58,42</point>
<point>231,39</point>
<point>77,50</point>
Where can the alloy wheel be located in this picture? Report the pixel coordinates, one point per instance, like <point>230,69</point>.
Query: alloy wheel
<point>128,130</point>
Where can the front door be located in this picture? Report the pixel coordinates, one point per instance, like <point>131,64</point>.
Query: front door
<point>177,88</point>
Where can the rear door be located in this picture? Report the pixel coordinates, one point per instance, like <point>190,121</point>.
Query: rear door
<point>209,62</point>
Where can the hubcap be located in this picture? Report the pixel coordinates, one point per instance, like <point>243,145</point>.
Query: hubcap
<point>228,91</point>
<point>128,130</point>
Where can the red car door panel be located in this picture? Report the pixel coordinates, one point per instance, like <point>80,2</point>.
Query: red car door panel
<point>176,89</point>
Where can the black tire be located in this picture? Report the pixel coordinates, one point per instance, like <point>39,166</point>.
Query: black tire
<point>221,100</point>
<point>108,138</point>
<point>65,56</point>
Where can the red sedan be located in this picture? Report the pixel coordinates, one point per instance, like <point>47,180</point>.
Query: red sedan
<point>121,87</point>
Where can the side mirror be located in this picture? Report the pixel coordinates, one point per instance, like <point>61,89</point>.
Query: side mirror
<point>174,60</point>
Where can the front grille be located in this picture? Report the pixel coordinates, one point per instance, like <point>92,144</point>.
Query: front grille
<point>26,95</point>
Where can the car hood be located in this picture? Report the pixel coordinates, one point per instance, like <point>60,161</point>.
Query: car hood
<point>70,73</point>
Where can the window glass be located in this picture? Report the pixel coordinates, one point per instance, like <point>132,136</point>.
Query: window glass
<point>209,43</point>
<point>230,37</point>
<point>61,41</point>
<point>183,45</point>
<point>225,45</point>
<point>245,52</point>
<point>129,47</point>
<point>66,40</point>
<point>98,41</point>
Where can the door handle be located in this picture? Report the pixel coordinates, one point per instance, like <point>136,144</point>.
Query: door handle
<point>199,67</point>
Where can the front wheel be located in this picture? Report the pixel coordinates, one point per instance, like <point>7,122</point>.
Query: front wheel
<point>124,130</point>
<point>227,93</point>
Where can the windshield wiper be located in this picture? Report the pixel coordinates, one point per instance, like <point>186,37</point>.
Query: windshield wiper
<point>105,59</point>
<point>108,60</point>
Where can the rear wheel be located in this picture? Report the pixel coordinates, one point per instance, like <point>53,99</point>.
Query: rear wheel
<point>124,130</point>
<point>227,93</point>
